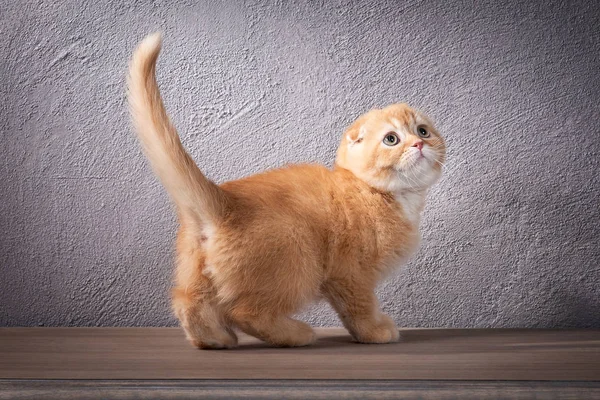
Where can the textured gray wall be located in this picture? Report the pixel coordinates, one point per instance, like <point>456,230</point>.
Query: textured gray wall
<point>511,236</point>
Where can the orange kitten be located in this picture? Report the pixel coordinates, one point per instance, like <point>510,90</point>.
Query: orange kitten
<point>254,251</point>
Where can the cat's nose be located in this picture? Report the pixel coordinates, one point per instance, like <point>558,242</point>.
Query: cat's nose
<point>418,144</point>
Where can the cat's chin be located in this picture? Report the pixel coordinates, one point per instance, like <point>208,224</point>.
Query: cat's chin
<point>417,179</point>
<point>416,173</point>
<point>414,180</point>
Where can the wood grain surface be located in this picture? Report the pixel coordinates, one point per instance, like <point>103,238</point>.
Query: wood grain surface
<point>295,389</point>
<point>423,354</point>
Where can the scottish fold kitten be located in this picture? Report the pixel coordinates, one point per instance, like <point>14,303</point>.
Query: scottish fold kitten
<point>253,252</point>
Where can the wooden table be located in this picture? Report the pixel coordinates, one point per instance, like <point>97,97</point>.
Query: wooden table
<point>132,363</point>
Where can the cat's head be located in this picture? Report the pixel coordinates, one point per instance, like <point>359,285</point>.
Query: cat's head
<point>393,149</point>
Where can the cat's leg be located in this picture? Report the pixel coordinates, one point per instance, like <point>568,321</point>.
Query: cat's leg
<point>358,308</point>
<point>281,331</point>
<point>201,318</point>
<point>194,298</point>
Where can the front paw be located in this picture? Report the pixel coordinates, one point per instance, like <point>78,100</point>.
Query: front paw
<point>384,331</point>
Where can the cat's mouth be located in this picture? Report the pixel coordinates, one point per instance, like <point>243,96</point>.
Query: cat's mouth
<point>415,159</point>
<point>417,164</point>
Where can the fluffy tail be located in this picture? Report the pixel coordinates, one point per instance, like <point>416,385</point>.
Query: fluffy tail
<point>195,195</point>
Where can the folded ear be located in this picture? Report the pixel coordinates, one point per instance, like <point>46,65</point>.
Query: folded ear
<point>356,135</point>
<point>356,132</point>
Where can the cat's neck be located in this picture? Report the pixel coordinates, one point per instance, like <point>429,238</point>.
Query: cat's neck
<point>412,202</point>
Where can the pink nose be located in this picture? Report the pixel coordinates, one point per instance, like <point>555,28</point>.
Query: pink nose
<point>418,144</point>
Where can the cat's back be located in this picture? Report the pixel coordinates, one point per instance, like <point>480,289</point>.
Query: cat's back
<point>297,188</point>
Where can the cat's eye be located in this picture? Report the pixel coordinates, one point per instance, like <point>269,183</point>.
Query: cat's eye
<point>424,133</point>
<point>391,139</point>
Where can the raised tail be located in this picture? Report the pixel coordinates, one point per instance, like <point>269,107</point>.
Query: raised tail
<point>194,195</point>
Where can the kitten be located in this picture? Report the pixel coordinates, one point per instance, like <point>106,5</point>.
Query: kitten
<point>253,252</point>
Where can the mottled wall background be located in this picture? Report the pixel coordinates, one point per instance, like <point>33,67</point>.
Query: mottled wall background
<point>511,233</point>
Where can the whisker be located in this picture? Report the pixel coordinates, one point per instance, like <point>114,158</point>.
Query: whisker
<point>410,180</point>
<point>418,180</point>
<point>441,163</point>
